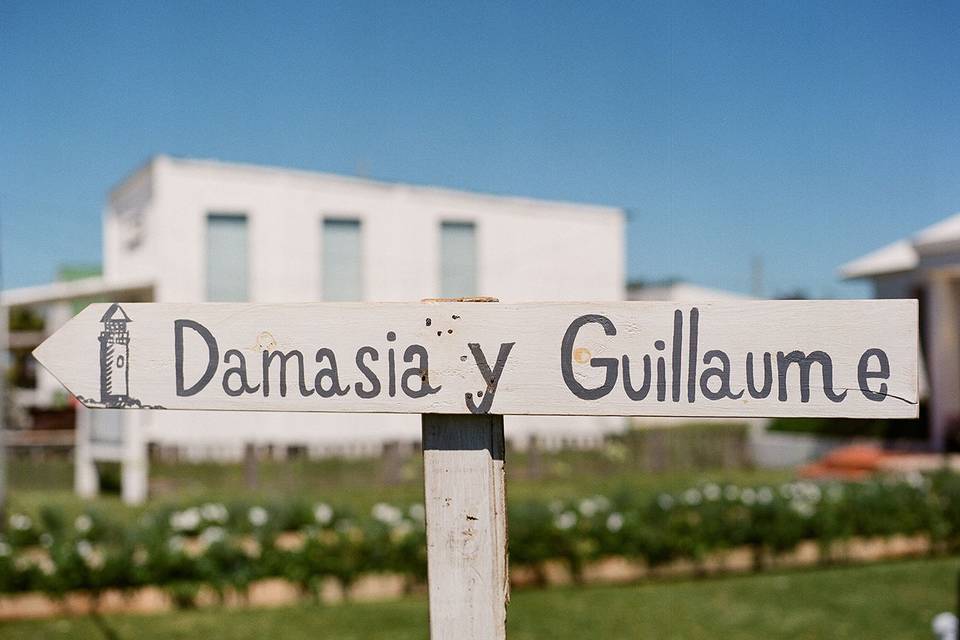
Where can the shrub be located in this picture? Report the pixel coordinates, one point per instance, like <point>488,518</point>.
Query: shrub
<point>229,546</point>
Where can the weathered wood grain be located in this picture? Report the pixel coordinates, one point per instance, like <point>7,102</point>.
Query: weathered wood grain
<point>807,358</point>
<point>463,459</point>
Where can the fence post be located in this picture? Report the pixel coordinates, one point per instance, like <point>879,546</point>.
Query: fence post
<point>250,463</point>
<point>534,457</point>
<point>134,465</point>
<point>86,481</point>
<point>464,487</point>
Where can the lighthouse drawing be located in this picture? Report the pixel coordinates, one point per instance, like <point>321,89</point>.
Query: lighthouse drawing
<point>115,358</point>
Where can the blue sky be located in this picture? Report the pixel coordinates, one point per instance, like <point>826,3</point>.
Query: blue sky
<point>803,133</point>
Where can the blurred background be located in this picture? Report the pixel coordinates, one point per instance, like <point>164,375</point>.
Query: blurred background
<point>286,152</point>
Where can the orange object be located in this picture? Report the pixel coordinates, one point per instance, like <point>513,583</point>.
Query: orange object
<point>854,462</point>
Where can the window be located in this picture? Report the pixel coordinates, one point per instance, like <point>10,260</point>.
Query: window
<point>227,250</point>
<point>458,259</point>
<point>342,269</point>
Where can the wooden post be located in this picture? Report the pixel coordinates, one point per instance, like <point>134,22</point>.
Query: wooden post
<point>392,462</point>
<point>463,458</point>
<point>134,465</point>
<point>86,480</point>
<point>534,457</point>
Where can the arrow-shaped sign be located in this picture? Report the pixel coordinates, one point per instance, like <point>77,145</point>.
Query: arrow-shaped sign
<point>776,358</point>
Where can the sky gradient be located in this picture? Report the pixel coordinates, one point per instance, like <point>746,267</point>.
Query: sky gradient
<point>805,134</point>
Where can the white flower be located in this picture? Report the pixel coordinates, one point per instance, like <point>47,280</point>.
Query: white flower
<point>731,492</point>
<point>417,512</point>
<point>258,516</point>
<point>83,523</point>
<point>386,513</point>
<point>945,625</point>
<point>565,520</point>
<point>84,549</point>
<point>748,496</point>
<point>140,557</point>
<point>186,520</point>
<point>211,535</point>
<point>692,497</point>
<point>322,513</point>
<point>590,507</point>
<point>804,509</point>
<point>711,492</point>
<point>400,531</point>
<point>587,507</point>
<point>916,480</point>
<point>764,495</point>
<point>46,540</point>
<point>814,493</point>
<point>614,522</point>
<point>175,544</point>
<point>4,549</point>
<point>807,490</point>
<point>20,522</point>
<point>665,500</point>
<point>555,506</point>
<point>214,512</point>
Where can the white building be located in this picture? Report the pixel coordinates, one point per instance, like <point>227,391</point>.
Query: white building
<point>680,291</point>
<point>181,230</point>
<point>926,266</point>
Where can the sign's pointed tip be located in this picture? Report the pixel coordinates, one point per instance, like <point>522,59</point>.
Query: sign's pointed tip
<point>40,351</point>
<point>62,341</point>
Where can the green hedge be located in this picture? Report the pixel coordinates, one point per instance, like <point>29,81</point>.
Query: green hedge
<point>231,545</point>
<point>880,428</point>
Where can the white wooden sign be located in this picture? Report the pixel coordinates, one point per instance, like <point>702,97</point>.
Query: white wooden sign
<point>771,358</point>
<point>825,358</point>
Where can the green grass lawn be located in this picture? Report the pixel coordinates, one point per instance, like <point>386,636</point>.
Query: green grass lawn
<point>886,601</point>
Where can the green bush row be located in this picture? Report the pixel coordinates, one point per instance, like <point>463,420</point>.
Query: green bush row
<point>230,545</point>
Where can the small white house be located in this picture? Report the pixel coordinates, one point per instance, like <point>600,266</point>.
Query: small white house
<point>184,230</point>
<point>926,266</point>
<point>680,291</point>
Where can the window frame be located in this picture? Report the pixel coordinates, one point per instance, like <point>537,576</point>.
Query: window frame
<point>247,271</point>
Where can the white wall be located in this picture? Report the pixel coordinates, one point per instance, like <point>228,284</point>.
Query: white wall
<point>130,247</point>
<point>527,250</point>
